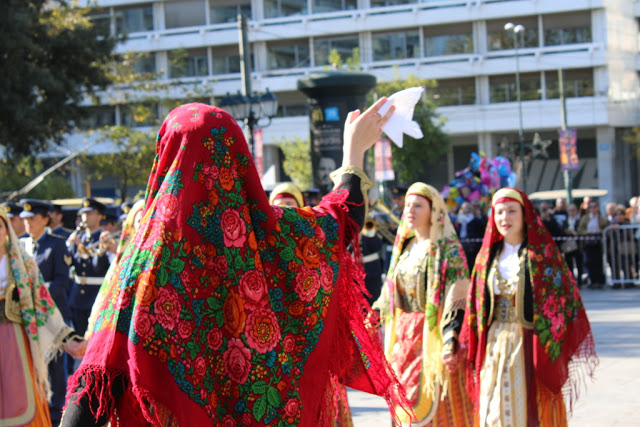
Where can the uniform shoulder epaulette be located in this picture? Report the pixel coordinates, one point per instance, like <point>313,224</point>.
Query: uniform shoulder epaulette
<point>52,234</point>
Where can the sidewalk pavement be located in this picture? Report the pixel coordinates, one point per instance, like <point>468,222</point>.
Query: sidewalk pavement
<point>611,399</point>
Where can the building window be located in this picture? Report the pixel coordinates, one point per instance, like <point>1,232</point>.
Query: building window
<point>576,83</point>
<point>503,88</point>
<point>98,117</point>
<point>288,54</point>
<point>134,19</point>
<point>382,3</point>
<point>188,63</point>
<point>292,110</point>
<point>101,21</point>
<point>138,115</point>
<point>320,6</point>
<point>278,8</point>
<point>453,92</point>
<point>401,45</point>
<point>344,45</point>
<point>184,13</point>
<point>567,29</point>
<point>226,60</point>
<point>448,40</point>
<point>146,63</point>
<point>499,39</point>
<point>221,11</point>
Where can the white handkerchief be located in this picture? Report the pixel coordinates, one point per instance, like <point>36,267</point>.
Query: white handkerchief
<point>402,119</point>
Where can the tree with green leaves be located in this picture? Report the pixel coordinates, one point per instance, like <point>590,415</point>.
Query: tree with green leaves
<point>16,173</point>
<point>51,58</point>
<point>633,138</point>
<point>140,97</point>
<point>130,160</point>
<point>411,162</point>
<point>297,161</point>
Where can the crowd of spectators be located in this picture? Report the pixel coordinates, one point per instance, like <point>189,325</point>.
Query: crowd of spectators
<point>586,237</point>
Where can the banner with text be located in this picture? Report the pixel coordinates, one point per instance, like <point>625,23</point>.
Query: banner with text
<point>384,165</point>
<point>568,149</point>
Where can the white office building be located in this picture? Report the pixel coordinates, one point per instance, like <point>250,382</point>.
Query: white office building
<point>462,44</point>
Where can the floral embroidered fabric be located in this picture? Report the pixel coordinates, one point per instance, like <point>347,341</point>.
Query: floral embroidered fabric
<point>221,299</point>
<point>563,347</point>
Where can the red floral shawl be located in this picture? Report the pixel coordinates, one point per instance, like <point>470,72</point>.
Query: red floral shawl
<point>563,346</point>
<point>228,311</point>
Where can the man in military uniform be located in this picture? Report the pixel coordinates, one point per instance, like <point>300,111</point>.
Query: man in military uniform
<point>55,221</point>
<point>13,213</point>
<point>311,196</point>
<point>90,262</point>
<point>49,252</point>
<point>397,195</point>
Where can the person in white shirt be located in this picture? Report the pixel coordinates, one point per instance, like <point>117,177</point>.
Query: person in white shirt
<point>592,225</point>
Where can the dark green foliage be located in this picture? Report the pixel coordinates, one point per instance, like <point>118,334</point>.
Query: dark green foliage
<point>50,57</point>
<point>413,161</point>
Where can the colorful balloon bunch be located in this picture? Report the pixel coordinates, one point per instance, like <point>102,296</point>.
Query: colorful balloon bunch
<point>478,181</point>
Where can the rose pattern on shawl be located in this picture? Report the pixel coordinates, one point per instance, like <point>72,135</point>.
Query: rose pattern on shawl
<point>214,338</point>
<point>237,361</point>
<point>309,253</point>
<point>262,331</point>
<point>307,284</point>
<point>167,308</point>
<point>550,324</point>
<point>233,229</point>
<point>234,314</point>
<point>289,343</point>
<point>234,317</point>
<point>144,323</point>
<point>167,207</point>
<point>253,289</point>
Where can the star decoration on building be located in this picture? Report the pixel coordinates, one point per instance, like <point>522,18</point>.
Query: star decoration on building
<point>506,148</point>
<point>539,147</point>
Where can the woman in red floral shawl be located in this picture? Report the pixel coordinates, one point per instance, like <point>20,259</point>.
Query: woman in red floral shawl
<point>528,337</point>
<point>228,311</point>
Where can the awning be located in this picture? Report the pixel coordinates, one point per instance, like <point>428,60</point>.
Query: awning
<point>577,193</point>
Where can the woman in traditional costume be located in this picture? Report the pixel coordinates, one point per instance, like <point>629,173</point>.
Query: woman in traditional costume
<point>129,228</point>
<point>528,337</point>
<point>422,309</point>
<point>287,194</point>
<point>32,332</point>
<point>231,311</point>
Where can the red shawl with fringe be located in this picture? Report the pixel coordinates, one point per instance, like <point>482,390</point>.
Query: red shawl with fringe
<point>227,311</point>
<point>563,347</point>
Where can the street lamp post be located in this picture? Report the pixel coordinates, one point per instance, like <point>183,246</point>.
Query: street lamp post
<point>251,107</point>
<point>515,30</point>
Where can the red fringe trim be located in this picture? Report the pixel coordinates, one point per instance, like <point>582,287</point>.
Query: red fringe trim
<point>362,336</point>
<point>99,382</point>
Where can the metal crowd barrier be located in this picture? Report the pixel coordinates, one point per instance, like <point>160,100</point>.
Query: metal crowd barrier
<point>621,251</point>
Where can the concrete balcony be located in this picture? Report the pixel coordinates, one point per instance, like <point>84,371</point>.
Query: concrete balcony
<point>352,21</point>
<point>536,115</point>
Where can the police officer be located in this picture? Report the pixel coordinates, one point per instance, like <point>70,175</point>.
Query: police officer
<point>55,221</point>
<point>50,253</point>
<point>397,194</point>
<point>89,260</point>
<point>371,247</point>
<point>13,213</point>
<point>312,196</point>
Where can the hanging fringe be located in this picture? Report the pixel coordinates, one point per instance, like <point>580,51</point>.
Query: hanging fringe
<point>581,366</point>
<point>97,384</point>
<point>356,312</point>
